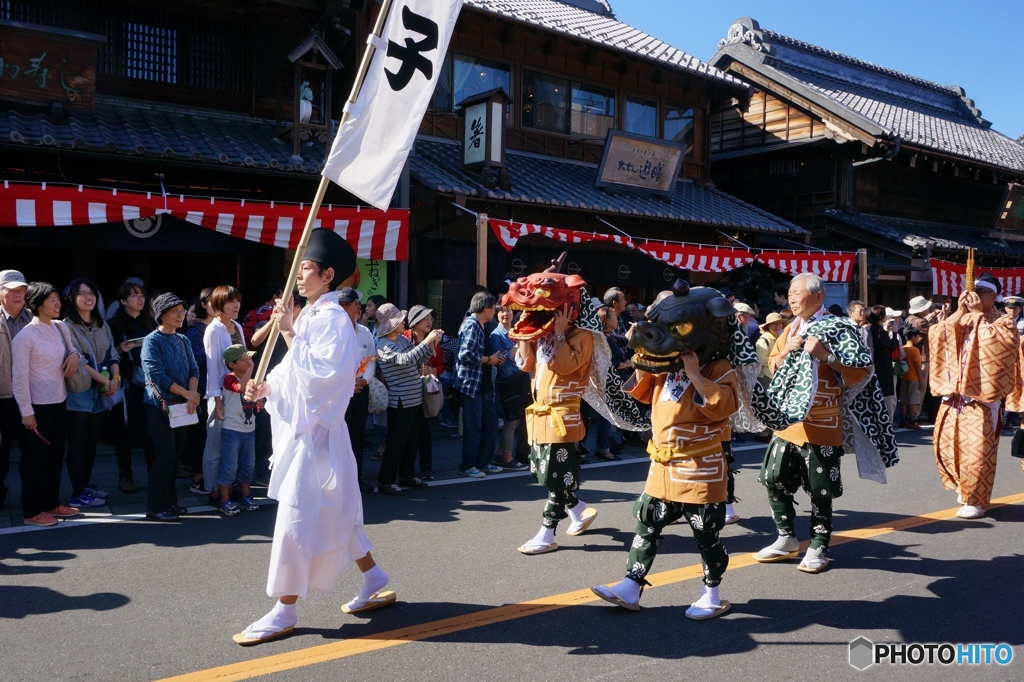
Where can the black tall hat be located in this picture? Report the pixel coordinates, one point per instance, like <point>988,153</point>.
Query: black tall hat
<point>331,250</point>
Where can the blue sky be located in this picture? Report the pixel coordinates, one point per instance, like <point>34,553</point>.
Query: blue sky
<point>976,45</point>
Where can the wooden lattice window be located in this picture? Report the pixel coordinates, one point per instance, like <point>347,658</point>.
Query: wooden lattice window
<point>149,53</point>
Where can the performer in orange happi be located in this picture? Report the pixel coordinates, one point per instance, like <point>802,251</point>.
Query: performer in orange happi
<point>973,367</point>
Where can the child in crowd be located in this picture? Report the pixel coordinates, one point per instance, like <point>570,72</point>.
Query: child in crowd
<point>238,439</point>
<point>912,382</point>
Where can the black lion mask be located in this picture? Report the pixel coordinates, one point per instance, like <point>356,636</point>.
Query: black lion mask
<point>680,321</point>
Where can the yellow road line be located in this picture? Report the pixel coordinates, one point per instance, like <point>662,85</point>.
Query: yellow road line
<point>415,633</point>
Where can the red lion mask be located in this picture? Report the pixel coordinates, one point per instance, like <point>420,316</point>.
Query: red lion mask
<point>539,295</point>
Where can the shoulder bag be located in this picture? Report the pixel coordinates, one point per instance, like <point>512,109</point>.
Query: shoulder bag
<point>177,413</point>
<point>515,395</point>
<point>80,380</point>
<point>433,397</point>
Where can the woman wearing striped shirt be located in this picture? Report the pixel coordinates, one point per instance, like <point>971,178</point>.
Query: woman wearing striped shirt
<point>399,362</point>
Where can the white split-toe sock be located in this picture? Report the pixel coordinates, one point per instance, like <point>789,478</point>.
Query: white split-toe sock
<point>374,581</point>
<point>628,590</point>
<point>281,617</point>
<point>706,604</point>
<point>782,548</point>
<point>545,537</point>
<point>730,514</point>
<point>576,513</point>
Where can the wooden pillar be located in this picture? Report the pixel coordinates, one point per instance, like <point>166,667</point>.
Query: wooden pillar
<point>862,260</point>
<point>481,249</point>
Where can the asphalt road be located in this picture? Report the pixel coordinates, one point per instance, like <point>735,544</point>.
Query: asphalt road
<point>141,601</point>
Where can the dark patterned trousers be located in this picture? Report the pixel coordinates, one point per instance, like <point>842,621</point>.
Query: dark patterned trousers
<point>556,466</point>
<point>815,468</point>
<point>729,461</point>
<point>653,515</point>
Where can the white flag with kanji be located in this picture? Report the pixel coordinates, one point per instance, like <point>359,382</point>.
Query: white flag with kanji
<point>371,148</point>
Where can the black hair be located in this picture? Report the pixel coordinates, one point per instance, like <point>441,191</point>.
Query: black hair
<point>377,299</point>
<point>36,294</point>
<point>876,314</point>
<point>70,292</point>
<point>269,291</point>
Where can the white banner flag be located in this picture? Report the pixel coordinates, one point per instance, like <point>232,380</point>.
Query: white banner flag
<point>371,148</point>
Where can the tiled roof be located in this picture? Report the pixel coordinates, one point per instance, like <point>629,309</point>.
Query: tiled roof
<point>882,101</point>
<point>161,131</point>
<point>918,234</point>
<point>562,183</point>
<point>600,28</point>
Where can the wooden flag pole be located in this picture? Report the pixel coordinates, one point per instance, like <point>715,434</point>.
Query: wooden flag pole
<point>300,250</point>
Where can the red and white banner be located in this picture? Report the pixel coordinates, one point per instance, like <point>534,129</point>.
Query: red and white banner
<point>834,266</point>
<point>696,257</point>
<point>374,234</point>
<point>948,278</point>
<point>830,266</point>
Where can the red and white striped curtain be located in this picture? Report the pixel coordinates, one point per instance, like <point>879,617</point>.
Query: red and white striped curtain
<point>948,278</point>
<point>373,234</point>
<point>830,266</point>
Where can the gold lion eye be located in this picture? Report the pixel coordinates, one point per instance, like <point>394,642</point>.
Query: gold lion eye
<point>682,329</point>
<point>542,293</point>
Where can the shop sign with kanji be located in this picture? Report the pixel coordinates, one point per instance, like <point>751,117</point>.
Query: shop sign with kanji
<point>40,64</point>
<point>638,162</point>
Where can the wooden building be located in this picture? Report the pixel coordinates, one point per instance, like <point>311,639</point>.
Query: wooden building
<point>864,157</point>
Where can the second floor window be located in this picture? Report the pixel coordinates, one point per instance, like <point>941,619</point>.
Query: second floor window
<point>560,106</point>
<point>463,76</point>
<point>593,110</point>
<point>677,125</point>
<point>641,116</point>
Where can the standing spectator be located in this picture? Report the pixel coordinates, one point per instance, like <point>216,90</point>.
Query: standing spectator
<point>238,435</point>
<point>195,442</point>
<point>399,363</point>
<point>39,366</point>
<point>781,296</point>
<point>507,373</point>
<point>770,330</point>
<point>127,325</point>
<point>421,319</point>
<point>270,294</point>
<point>355,415</point>
<point>172,376</point>
<point>605,429</point>
<point>223,331</point>
<point>884,345</point>
<point>370,312</point>
<point>917,309</point>
<point>1014,305</point>
<point>633,314</point>
<point>261,331</point>
<point>858,312</point>
<point>745,315</point>
<point>615,299</point>
<point>109,313</point>
<point>479,416</point>
<point>380,420</point>
<point>13,318</point>
<point>85,411</point>
<point>912,382</point>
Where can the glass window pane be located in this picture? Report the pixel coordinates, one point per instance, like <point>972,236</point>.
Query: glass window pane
<point>545,102</point>
<point>593,109</point>
<point>442,99</point>
<point>472,75</point>
<point>678,126</point>
<point>641,116</point>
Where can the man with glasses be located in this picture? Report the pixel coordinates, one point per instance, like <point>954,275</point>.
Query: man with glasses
<point>13,318</point>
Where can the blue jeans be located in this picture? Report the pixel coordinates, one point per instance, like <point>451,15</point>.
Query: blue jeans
<point>604,434</point>
<point>479,430</point>
<point>237,457</point>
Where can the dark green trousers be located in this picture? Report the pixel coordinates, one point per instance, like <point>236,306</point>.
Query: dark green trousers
<point>653,515</point>
<point>815,468</point>
<point>556,466</point>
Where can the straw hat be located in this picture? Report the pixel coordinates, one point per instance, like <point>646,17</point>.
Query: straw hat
<point>770,320</point>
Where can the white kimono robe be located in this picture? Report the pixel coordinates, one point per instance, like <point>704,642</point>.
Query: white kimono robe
<point>319,529</point>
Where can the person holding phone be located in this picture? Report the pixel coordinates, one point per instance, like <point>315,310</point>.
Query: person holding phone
<point>474,380</point>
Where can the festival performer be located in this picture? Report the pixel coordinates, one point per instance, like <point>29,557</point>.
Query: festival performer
<point>973,365</point>
<point>823,380</point>
<point>687,355</point>
<point>319,529</point>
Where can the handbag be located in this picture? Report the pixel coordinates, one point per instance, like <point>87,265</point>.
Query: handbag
<point>378,395</point>
<point>139,376</point>
<point>515,395</point>
<point>433,397</point>
<point>900,367</point>
<point>80,380</point>
<point>177,413</point>
<point>1017,445</point>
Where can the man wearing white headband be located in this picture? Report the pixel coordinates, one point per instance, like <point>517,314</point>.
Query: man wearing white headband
<point>973,364</point>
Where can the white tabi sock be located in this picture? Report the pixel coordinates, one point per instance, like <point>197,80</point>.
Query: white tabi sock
<point>708,599</point>
<point>374,581</point>
<point>544,537</point>
<point>576,513</point>
<point>628,590</point>
<point>280,617</point>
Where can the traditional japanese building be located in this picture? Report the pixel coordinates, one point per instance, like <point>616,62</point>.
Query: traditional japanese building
<point>864,156</point>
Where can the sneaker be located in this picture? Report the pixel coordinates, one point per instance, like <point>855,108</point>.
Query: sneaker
<point>93,490</point>
<point>199,487</point>
<point>41,519</point>
<point>229,508</point>
<point>514,466</point>
<point>164,516</point>
<point>492,469</point>
<point>247,504</point>
<point>913,426</point>
<point>473,472</point>
<point>391,489</point>
<point>127,486</point>
<point>377,456</point>
<point>86,500</point>
<point>414,482</point>
<point>426,475</point>
<point>64,512</point>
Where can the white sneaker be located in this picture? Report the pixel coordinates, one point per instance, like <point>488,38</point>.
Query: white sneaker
<point>815,561</point>
<point>970,511</point>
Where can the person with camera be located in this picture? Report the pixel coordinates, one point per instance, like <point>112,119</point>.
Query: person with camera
<point>474,372</point>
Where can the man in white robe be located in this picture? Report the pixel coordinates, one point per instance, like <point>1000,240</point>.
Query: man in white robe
<point>319,529</point>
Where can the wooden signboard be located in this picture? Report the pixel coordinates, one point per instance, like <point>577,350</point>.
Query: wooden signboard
<point>638,162</point>
<point>1011,212</point>
<point>40,64</point>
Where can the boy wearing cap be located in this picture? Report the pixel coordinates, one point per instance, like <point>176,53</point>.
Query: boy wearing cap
<point>238,432</point>
<point>973,363</point>
<point>13,318</point>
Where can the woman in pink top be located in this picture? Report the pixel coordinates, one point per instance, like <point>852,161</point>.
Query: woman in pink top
<point>39,367</point>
